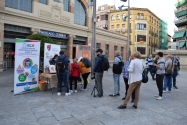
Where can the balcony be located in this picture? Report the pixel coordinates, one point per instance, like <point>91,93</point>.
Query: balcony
<point>181,13</point>
<point>123,30</point>
<point>180,3</point>
<point>118,30</point>
<point>181,21</point>
<point>139,18</point>
<point>182,28</point>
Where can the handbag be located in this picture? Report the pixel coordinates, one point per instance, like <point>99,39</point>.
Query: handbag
<point>154,69</point>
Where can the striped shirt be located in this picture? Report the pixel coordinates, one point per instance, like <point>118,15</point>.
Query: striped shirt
<point>125,72</point>
<point>149,62</point>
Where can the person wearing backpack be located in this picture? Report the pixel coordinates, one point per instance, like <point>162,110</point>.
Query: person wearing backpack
<point>85,71</point>
<point>117,69</point>
<point>74,75</point>
<point>99,72</point>
<point>63,70</point>
<point>168,74</point>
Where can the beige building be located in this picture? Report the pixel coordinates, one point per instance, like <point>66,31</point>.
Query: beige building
<point>67,22</point>
<point>102,16</point>
<point>144,28</point>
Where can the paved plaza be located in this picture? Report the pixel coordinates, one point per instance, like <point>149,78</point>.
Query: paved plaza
<point>44,108</point>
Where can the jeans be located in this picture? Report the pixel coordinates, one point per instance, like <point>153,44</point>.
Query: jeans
<point>135,86</point>
<point>63,77</point>
<point>175,72</point>
<point>75,79</point>
<point>159,82</point>
<point>99,84</point>
<point>167,82</point>
<point>127,87</point>
<point>85,77</point>
<point>116,83</point>
<point>149,70</point>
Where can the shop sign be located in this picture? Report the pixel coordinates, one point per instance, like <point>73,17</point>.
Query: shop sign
<point>54,34</point>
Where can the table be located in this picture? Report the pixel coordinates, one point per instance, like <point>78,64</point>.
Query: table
<point>51,80</point>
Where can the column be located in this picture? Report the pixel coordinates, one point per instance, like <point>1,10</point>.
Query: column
<point>2,4</point>
<point>35,31</point>
<point>1,45</point>
<point>72,6</point>
<point>70,46</point>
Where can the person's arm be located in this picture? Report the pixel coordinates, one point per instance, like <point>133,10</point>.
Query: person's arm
<point>96,64</point>
<point>131,66</point>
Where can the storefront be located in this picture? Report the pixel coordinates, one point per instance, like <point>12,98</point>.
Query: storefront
<point>11,32</point>
<point>78,40</point>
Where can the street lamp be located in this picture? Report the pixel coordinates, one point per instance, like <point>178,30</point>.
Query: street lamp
<point>124,19</point>
<point>93,3</point>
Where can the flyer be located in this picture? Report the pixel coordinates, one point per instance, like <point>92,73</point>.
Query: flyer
<point>26,71</point>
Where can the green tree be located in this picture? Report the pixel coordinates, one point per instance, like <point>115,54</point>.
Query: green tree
<point>43,39</point>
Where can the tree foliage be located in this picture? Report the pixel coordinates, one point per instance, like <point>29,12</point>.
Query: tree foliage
<point>43,39</point>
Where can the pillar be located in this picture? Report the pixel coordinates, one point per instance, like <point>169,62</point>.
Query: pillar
<point>2,4</point>
<point>1,45</point>
<point>70,46</point>
<point>72,6</point>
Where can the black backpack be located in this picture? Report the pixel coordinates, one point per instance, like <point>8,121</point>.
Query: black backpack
<point>87,62</point>
<point>144,76</point>
<point>60,66</point>
<point>120,65</point>
<point>105,64</point>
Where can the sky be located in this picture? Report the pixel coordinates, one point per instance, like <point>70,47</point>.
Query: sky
<point>164,9</point>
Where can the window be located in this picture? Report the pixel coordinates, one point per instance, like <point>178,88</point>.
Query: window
<point>141,26</point>
<point>123,16</point>
<point>123,26</point>
<point>24,5</point>
<point>66,5</point>
<point>122,51</point>
<point>43,2</point>
<point>142,16</point>
<point>102,8</point>
<point>141,38</point>
<point>118,17</point>
<point>138,16</point>
<point>115,48</point>
<point>79,13</point>
<point>102,17</point>
<point>56,0</point>
<point>141,50</point>
<point>112,17</point>
<point>107,51</point>
<point>98,46</point>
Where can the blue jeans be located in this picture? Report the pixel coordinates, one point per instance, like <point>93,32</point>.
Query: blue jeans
<point>116,83</point>
<point>63,77</point>
<point>175,72</point>
<point>167,82</point>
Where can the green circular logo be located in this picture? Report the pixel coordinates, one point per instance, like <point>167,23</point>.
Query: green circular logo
<point>22,78</point>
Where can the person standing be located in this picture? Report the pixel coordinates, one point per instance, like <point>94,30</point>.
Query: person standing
<point>99,72</point>
<point>160,74</point>
<point>175,72</point>
<point>135,78</point>
<point>53,60</point>
<point>125,73</point>
<point>149,65</point>
<point>63,69</point>
<point>117,69</point>
<point>168,74</point>
<point>84,71</point>
<point>74,75</point>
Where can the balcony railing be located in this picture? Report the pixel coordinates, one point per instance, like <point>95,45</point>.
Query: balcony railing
<point>180,29</point>
<point>139,18</point>
<point>118,30</point>
<point>180,9</point>
<point>123,30</point>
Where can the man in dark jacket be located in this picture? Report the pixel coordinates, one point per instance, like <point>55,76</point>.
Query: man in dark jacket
<point>117,69</point>
<point>99,72</point>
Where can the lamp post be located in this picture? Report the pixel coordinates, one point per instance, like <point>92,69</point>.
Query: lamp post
<point>128,32</point>
<point>93,3</point>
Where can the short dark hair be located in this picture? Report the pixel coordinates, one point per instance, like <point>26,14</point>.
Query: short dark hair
<point>61,52</point>
<point>160,54</point>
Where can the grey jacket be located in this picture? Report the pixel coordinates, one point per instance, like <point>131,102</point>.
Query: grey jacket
<point>161,63</point>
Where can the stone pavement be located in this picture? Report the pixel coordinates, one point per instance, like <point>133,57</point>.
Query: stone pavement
<point>44,108</point>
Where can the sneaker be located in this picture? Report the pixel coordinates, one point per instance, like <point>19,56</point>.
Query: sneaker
<point>159,98</point>
<point>112,95</point>
<point>156,96</point>
<point>118,94</point>
<point>83,89</point>
<point>75,91</point>
<point>59,93</point>
<point>164,91</point>
<point>67,94</point>
<point>70,91</point>
<point>175,87</point>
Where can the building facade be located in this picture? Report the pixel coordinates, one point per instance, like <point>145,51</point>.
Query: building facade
<point>163,35</point>
<point>67,22</point>
<point>181,23</point>
<point>102,16</point>
<point>144,28</point>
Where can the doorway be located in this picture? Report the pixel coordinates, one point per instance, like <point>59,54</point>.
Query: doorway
<point>9,54</point>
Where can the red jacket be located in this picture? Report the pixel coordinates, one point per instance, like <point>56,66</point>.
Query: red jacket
<point>75,70</point>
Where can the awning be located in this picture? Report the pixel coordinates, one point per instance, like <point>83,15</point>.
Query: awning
<point>181,44</point>
<point>178,34</point>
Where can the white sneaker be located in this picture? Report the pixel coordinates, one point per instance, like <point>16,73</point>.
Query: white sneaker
<point>156,96</point>
<point>67,94</point>
<point>164,91</point>
<point>75,91</point>
<point>83,89</point>
<point>70,91</point>
<point>159,98</point>
<point>59,94</point>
